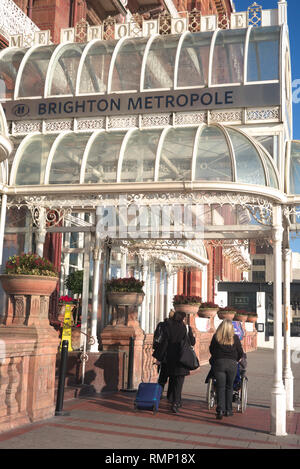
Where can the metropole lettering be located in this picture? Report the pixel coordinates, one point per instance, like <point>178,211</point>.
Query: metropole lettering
<point>139,103</point>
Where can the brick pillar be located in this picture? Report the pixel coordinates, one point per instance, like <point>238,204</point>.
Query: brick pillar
<point>116,336</point>
<point>28,349</point>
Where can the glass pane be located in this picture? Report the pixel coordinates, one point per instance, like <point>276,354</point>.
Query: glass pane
<point>9,66</point>
<point>95,69</point>
<point>139,157</point>
<point>127,68</point>
<point>263,54</point>
<point>249,168</point>
<point>213,162</point>
<point>64,70</point>
<point>159,72</point>
<point>228,58</point>
<point>34,73</point>
<point>176,155</point>
<point>31,169</point>
<point>271,172</point>
<point>194,60</point>
<point>295,168</point>
<point>66,163</point>
<point>102,162</point>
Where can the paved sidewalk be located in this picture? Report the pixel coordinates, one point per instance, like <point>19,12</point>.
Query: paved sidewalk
<point>110,422</point>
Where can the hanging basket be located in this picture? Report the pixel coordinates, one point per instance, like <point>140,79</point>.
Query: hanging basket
<point>207,312</point>
<point>28,284</point>
<point>187,308</point>
<point>125,298</point>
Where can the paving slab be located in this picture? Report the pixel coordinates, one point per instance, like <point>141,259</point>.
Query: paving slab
<point>109,422</point>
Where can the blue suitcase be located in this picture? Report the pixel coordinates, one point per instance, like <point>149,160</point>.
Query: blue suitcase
<point>148,396</point>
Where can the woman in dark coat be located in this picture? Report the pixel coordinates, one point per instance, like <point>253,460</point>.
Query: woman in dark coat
<point>169,352</point>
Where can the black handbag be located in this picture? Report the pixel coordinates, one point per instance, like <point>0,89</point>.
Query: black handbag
<point>188,357</point>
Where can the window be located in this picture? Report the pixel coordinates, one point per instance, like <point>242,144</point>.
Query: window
<point>258,262</point>
<point>258,276</point>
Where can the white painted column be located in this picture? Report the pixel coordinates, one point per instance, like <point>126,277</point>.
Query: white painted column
<point>278,395</point>
<point>288,378</point>
<point>85,289</point>
<point>123,263</point>
<point>152,324</point>
<point>2,223</point>
<point>170,280</point>
<point>144,304</point>
<point>95,297</point>
<point>40,234</point>
<point>147,299</point>
<point>162,293</point>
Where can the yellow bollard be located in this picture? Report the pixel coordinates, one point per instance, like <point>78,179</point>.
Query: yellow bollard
<point>67,329</point>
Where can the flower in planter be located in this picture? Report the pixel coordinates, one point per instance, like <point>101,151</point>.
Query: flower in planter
<point>65,299</point>
<point>241,312</point>
<point>30,264</point>
<point>126,284</point>
<point>209,304</point>
<point>227,309</point>
<point>186,300</point>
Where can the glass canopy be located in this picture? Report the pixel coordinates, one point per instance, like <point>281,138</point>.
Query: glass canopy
<point>294,169</point>
<point>203,153</point>
<point>137,64</point>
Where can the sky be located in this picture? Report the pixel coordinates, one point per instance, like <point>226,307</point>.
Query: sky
<point>294,30</point>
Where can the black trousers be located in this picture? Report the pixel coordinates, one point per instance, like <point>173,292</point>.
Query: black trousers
<point>175,388</point>
<point>224,371</point>
<point>163,374</point>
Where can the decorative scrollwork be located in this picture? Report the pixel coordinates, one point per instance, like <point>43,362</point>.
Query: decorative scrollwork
<point>255,15</point>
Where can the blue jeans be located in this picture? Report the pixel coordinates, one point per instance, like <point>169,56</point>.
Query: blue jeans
<point>224,371</point>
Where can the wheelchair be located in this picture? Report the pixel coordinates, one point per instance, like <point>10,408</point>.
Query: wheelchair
<point>240,391</point>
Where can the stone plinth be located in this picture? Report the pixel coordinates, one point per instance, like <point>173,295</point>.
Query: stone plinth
<point>28,348</point>
<point>117,337</point>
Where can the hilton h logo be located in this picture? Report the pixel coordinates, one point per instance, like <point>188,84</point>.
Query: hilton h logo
<point>20,110</point>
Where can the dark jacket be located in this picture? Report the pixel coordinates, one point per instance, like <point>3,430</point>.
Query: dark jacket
<point>232,352</point>
<point>169,349</point>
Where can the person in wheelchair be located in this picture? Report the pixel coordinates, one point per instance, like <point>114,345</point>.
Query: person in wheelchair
<point>226,351</point>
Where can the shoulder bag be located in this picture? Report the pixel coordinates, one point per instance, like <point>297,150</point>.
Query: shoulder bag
<point>188,357</point>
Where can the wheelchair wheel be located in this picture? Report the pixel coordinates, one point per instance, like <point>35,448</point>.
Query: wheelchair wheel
<point>243,393</point>
<point>211,394</point>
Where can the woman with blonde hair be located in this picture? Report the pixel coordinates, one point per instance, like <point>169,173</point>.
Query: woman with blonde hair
<point>226,350</point>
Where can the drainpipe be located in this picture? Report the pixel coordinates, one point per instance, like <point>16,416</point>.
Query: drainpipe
<point>29,9</point>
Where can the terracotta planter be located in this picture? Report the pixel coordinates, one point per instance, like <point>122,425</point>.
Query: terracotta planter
<point>207,312</point>
<point>188,309</point>
<point>226,315</point>
<point>252,319</point>
<point>28,284</point>
<point>125,298</point>
<point>240,317</point>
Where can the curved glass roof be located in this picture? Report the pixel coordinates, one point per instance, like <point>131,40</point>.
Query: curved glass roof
<point>294,168</point>
<point>138,64</point>
<point>203,153</point>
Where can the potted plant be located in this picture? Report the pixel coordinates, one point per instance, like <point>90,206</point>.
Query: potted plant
<point>62,302</point>
<point>124,291</point>
<point>29,274</point>
<point>187,303</point>
<point>252,317</point>
<point>241,315</point>
<point>208,309</point>
<point>74,283</point>
<point>226,313</point>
